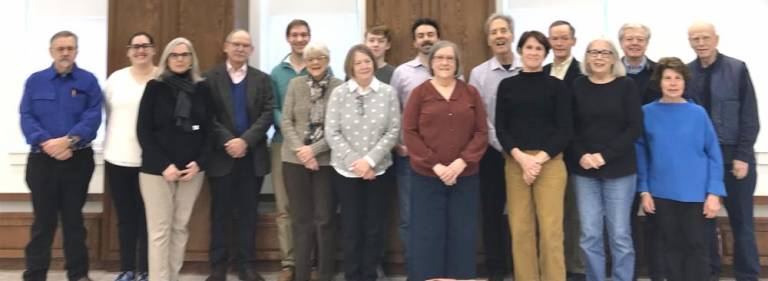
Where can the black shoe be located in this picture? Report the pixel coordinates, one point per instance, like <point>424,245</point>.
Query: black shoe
<point>496,277</point>
<point>218,273</point>
<point>248,274</point>
<point>570,276</point>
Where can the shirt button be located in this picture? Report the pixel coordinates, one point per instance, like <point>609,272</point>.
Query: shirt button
<point>450,114</point>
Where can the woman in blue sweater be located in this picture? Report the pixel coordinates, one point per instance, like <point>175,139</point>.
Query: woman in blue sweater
<point>679,172</point>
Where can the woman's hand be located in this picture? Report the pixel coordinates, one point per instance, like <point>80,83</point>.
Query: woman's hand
<point>190,172</point>
<point>360,167</point>
<point>311,164</point>
<point>711,206</point>
<point>649,207</point>
<point>529,165</point>
<point>305,153</point>
<point>171,173</point>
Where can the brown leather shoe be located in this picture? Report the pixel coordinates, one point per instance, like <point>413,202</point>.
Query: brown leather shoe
<point>286,274</point>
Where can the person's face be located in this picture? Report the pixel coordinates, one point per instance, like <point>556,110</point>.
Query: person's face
<point>317,65</point>
<point>500,37</point>
<point>238,48</point>
<point>634,43</point>
<point>444,63</point>
<point>180,59</point>
<point>561,40</point>
<point>600,57</point>
<point>63,50</point>
<point>362,67</point>
<point>532,53</point>
<point>424,37</point>
<point>140,51</point>
<point>378,44</point>
<point>672,84</point>
<point>703,41</point>
<point>298,37</point>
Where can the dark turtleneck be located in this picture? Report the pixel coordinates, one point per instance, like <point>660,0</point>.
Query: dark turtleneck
<point>533,112</point>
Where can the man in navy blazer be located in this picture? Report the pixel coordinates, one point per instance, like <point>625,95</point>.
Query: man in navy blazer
<point>242,101</point>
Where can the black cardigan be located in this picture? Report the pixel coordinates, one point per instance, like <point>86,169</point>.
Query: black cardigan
<point>162,142</point>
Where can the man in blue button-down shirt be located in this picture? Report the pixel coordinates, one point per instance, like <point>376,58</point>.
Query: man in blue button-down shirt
<point>60,113</point>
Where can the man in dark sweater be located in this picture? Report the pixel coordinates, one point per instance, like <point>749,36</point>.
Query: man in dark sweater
<point>242,98</point>
<point>634,38</point>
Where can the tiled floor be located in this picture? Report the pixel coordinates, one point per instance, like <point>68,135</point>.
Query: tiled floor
<point>8,275</point>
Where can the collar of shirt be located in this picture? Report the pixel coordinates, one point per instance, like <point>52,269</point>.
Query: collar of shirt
<point>237,75</point>
<point>515,67</point>
<point>565,64</point>
<point>354,87</point>
<point>416,63</point>
<point>73,73</point>
<point>631,69</point>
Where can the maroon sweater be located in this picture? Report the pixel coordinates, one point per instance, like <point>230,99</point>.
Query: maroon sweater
<point>436,130</point>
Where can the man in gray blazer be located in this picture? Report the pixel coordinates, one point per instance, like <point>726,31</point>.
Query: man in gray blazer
<point>242,101</point>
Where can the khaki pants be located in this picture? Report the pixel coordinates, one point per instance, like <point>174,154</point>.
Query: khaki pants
<point>168,207</point>
<point>283,220</point>
<point>540,204</point>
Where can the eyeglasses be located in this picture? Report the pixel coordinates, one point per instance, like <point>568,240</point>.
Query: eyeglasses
<point>316,59</point>
<point>137,47</point>
<point>179,56</point>
<point>240,45</point>
<point>600,53</point>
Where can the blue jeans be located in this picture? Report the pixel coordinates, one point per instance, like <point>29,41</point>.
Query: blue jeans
<point>444,230</point>
<point>606,201</point>
<point>738,203</point>
<point>403,173</point>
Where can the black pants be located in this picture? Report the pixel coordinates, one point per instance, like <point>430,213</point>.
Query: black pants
<point>235,204</point>
<point>313,214</point>
<point>493,199</point>
<point>364,218</point>
<point>654,247</point>
<point>685,238</point>
<point>123,183</point>
<point>58,188</point>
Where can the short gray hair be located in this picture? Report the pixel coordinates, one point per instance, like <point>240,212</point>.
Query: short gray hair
<point>445,44</point>
<point>236,30</point>
<point>315,48</point>
<point>634,25</point>
<point>64,33</point>
<point>506,18</point>
<point>162,69</point>
<point>617,68</point>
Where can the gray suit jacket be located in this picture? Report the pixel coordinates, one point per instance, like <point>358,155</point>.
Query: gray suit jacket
<point>259,108</point>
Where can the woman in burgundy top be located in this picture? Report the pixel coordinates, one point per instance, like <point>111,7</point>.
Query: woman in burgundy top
<point>446,131</point>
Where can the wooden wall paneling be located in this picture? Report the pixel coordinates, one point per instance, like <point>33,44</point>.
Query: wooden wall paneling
<point>126,18</point>
<point>462,22</point>
<point>206,23</point>
<point>15,232</point>
<point>398,15</point>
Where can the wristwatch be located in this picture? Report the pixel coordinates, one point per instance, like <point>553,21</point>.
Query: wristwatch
<point>72,141</point>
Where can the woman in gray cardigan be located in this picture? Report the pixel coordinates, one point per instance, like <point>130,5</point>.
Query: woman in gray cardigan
<point>363,124</point>
<point>306,164</point>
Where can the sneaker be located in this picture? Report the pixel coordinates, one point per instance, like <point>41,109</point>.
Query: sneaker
<point>286,274</point>
<point>125,276</point>
<point>143,276</point>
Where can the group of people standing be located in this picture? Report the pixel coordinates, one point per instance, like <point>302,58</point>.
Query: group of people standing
<point>568,149</point>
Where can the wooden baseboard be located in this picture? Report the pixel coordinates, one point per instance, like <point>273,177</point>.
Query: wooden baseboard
<point>22,197</point>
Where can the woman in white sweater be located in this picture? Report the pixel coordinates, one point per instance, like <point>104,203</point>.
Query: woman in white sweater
<point>122,154</point>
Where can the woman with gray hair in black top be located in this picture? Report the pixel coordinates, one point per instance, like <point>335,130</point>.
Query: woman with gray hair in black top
<point>173,125</point>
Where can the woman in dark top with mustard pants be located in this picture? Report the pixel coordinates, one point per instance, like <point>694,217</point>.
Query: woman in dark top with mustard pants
<point>533,124</point>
